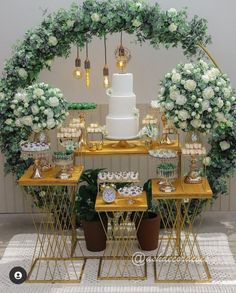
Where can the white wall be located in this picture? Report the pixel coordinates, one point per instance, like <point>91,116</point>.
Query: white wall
<point>148,65</point>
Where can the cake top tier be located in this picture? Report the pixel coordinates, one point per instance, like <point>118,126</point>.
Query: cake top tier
<point>122,84</point>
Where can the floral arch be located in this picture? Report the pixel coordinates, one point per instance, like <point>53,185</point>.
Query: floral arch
<point>53,38</point>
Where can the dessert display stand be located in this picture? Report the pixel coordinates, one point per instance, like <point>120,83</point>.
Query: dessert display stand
<point>179,257</point>
<point>54,257</point>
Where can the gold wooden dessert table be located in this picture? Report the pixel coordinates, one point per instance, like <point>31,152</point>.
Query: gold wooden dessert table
<point>179,257</point>
<point>120,222</point>
<point>53,259</point>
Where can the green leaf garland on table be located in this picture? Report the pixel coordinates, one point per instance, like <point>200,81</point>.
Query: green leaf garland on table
<point>82,106</point>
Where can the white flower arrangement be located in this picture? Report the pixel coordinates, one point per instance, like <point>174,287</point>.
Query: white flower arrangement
<point>149,131</point>
<point>197,97</point>
<point>39,107</point>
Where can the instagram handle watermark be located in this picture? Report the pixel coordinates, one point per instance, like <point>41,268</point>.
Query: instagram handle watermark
<point>139,259</point>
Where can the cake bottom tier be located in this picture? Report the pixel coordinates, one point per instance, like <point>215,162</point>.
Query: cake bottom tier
<point>122,128</point>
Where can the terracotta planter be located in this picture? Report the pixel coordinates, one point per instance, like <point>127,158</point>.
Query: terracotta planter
<point>148,232</point>
<point>95,236</point>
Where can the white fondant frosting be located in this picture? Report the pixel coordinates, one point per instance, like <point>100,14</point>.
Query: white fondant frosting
<point>121,121</point>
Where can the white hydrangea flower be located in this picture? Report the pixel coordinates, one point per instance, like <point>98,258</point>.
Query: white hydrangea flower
<point>22,73</point>
<point>9,121</point>
<point>183,115</point>
<point>172,27</point>
<point>196,123</point>
<point>38,92</point>
<point>208,93</point>
<point>224,145</point>
<point>172,12</point>
<point>176,77</point>
<point>226,92</point>
<point>35,109</point>
<point>95,17</point>
<point>190,85</point>
<point>52,41</point>
<point>54,102</point>
<point>181,100</point>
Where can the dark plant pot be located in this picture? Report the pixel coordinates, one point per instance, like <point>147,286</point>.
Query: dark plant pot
<point>94,234</point>
<point>148,232</point>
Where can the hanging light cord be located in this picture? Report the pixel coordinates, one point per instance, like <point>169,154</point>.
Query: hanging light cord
<point>86,50</point>
<point>105,48</point>
<point>121,38</point>
<point>77,51</point>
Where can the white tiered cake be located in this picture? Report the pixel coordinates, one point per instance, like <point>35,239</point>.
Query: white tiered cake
<point>122,121</point>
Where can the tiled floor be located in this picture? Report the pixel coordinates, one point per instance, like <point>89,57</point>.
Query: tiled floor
<point>214,222</point>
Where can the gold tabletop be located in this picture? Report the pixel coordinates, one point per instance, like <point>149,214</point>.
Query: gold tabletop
<point>116,148</point>
<point>183,190</point>
<point>121,204</point>
<point>49,177</point>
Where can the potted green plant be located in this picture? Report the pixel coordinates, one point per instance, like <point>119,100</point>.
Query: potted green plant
<point>148,227</point>
<point>94,232</point>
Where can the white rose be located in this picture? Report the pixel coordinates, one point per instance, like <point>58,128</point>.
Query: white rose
<point>190,85</point>
<point>54,102</point>
<point>27,120</point>
<point>70,23</point>
<point>208,93</point>
<point>183,115</point>
<point>95,17</point>
<point>226,92</point>
<point>172,27</point>
<point>220,103</point>
<point>136,23</point>
<point>224,145</point>
<point>183,125</point>
<point>38,92</point>
<point>220,117</point>
<point>196,123</point>
<point>188,66</point>
<point>174,94</point>
<point>205,78</point>
<point>17,122</point>
<point>181,100</point>
<point>52,41</point>
<point>2,96</point>
<point>169,106</point>
<point>36,128</point>
<point>176,77</point>
<point>8,121</point>
<point>50,113</point>
<point>51,123</point>
<point>13,106</point>
<point>205,105</point>
<point>35,109</point>
<point>155,104</point>
<point>213,73</point>
<point>172,12</point>
<point>22,73</point>
<point>206,161</point>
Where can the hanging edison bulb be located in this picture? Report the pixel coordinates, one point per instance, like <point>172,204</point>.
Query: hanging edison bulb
<point>87,68</point>
<point>123,56</point>
<point>106,82</point>
<point>77,73</point>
